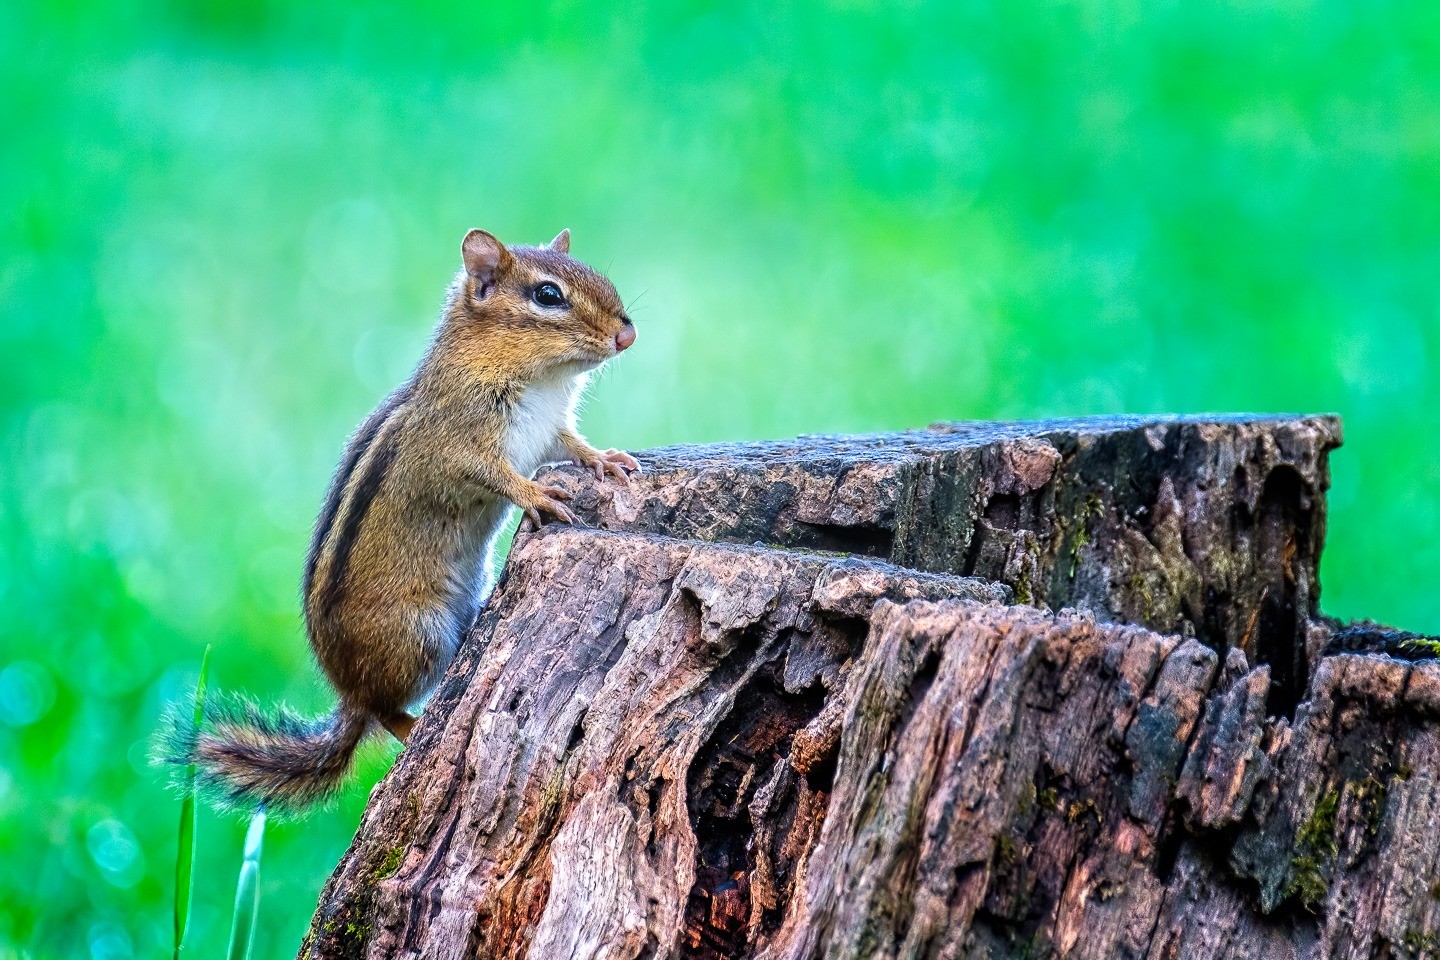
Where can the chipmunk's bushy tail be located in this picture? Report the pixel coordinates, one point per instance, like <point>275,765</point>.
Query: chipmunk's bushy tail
<point>246,757</point>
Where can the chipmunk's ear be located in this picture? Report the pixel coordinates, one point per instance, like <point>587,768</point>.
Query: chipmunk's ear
<point>561,243</point>
<point>484,256</point>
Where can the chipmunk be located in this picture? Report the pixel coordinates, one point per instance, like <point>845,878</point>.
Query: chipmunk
<point>396,569</point>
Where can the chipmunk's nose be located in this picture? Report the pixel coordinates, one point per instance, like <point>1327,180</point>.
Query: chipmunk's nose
<point>625,337</point>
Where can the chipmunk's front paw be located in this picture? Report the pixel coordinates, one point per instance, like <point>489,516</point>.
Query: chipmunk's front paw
<point>547,500</point>
<point>617,463</point>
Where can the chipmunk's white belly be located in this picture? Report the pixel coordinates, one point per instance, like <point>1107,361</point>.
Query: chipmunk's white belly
<point>535,424</point>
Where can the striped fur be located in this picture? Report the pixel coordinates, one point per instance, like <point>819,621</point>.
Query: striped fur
<point>356,449</point>
<point>397,565</point>
<point>360,491</point>
<point>248,757</point>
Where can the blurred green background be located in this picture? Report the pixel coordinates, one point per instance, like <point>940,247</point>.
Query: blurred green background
<point>225,230</point>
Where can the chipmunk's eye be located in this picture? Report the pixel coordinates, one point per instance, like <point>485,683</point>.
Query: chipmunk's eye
<point>548,295</point>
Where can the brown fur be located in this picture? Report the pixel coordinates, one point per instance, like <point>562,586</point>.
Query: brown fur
<point>395,570</point>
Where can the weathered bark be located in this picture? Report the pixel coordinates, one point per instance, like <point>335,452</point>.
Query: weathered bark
<point>1210,527</point>
<point>655,747</point>
<point>546,793</point>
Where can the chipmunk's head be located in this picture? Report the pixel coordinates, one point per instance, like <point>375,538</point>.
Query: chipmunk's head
<point>539,306</point>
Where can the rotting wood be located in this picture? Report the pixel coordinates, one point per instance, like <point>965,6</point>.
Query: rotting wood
<point>629,687</point>
<point>1209,527</point>
<point>663,748</point>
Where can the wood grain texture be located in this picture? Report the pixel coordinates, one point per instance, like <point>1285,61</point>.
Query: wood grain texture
<point>1206,526</point>
<point>558,755</point>
<point>655,748</point>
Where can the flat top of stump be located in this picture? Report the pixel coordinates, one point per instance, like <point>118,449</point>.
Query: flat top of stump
<point>947,436</point>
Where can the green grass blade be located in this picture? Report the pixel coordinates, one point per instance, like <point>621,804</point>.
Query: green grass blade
<point>247,891</point>
<point>185,854</point>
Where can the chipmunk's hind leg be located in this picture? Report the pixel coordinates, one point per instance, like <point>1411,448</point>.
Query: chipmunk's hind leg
<point>399,724</point>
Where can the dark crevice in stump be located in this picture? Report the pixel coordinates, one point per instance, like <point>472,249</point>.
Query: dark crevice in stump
<point>1285,546</point>
<point>733,765</point>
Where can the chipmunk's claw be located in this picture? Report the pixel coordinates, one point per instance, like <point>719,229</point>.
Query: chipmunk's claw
<point>549,502</point>
<point>618,464</point>
<point>614,463</point>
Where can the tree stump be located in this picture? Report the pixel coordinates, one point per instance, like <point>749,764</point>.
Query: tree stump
<point>809,699</point>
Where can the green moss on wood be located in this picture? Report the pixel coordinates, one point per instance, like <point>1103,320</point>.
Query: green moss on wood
<point>389,864</point>
<point>1024,591</point>
<point>1315,847</point>
<point>1420,945</point>
<point>1089,510</point>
